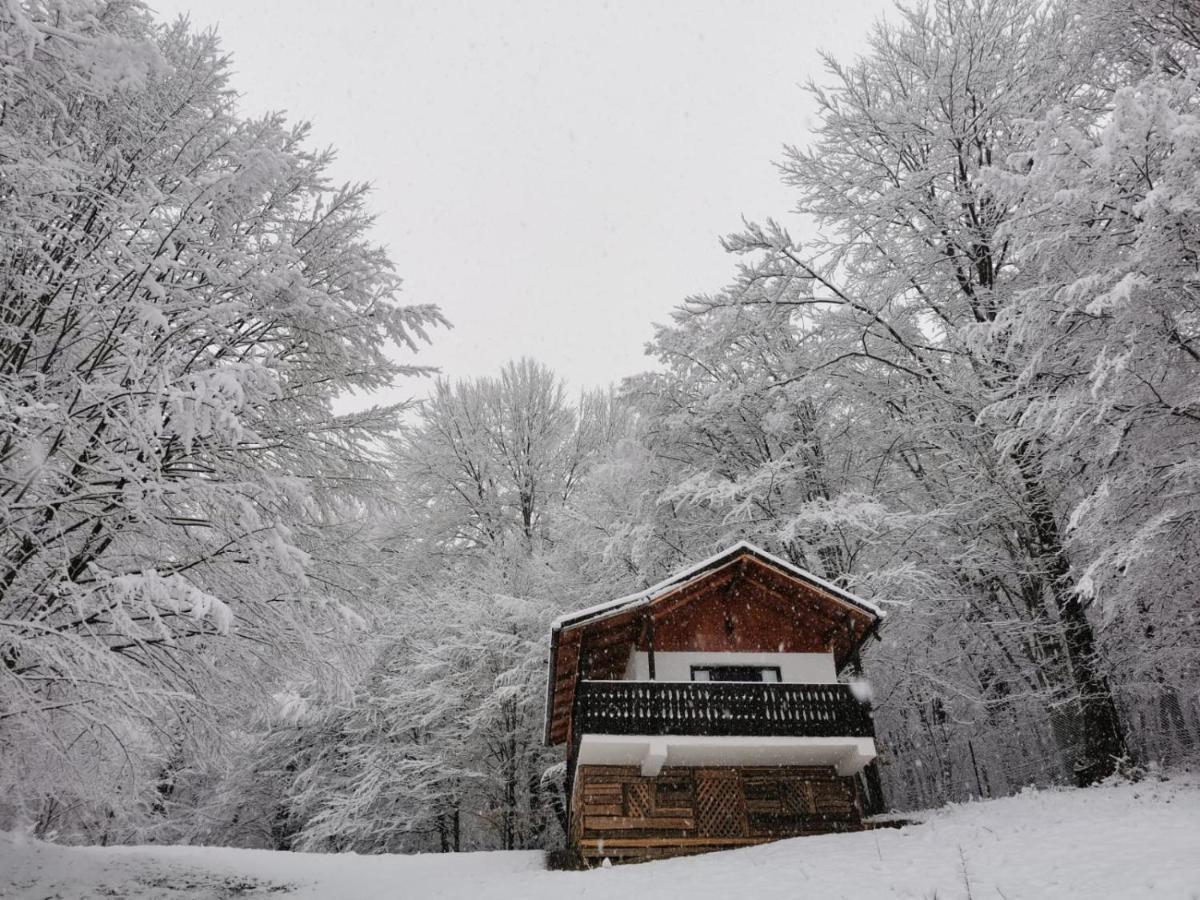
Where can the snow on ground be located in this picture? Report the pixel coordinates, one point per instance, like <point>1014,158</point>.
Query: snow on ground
<point>1123,841</point>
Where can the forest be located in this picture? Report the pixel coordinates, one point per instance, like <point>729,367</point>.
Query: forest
<point>242,605</point>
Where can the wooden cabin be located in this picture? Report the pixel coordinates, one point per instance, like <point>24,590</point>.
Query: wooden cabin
<point>706,713</point>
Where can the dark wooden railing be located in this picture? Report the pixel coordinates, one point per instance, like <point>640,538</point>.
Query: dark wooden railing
<point>719,709</point>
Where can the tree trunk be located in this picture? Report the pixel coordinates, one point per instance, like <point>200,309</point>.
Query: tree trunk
<point>1103,738</point>
<point>872,789</point>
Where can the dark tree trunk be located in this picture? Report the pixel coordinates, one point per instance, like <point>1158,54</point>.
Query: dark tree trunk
<point>554,792</point>
<point>872,790</point>
<point>1103,738</point>
<point>537,820</point>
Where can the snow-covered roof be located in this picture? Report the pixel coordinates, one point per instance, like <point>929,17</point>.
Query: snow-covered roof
<point>682,577</point>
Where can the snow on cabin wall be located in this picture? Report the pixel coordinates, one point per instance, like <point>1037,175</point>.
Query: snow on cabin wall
<point>795,668</point>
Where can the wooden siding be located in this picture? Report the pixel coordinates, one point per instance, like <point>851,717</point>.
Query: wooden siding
<point>617,812</point>
<point>741,615</point>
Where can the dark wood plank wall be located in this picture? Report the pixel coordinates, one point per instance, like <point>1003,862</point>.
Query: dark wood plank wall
<point>617,812</point>
<point>743,615</point>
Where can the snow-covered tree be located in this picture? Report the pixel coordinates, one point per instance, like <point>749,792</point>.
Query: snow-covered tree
<point>917,269</point>
<point>439,745</point>
<point>1106,340</point>
<point>486,462</point>
<point>183,293</point>
<point>834,394</point>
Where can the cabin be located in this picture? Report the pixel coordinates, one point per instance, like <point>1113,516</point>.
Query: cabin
<point>706,712</point>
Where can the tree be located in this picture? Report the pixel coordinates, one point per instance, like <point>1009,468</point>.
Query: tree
<point>490,467</point>
<point>886,332</point>
<point>756,449</point>
<point>182,296</point>
<point>1109,361</point>
<point>491,458</point>
<point>440,746</point>
<point>923,272</point>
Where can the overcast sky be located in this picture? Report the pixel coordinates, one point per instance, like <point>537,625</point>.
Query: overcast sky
<point>554,175</point>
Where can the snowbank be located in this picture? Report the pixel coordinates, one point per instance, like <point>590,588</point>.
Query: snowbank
<point>1123,841</point>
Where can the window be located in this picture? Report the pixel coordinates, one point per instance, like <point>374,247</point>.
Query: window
<point>736,673</point>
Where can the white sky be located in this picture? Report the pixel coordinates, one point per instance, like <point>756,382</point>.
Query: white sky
<point>554,175</point>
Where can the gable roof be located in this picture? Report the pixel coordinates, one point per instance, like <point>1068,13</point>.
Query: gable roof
<point>741,548</point>
<point>567,631</point>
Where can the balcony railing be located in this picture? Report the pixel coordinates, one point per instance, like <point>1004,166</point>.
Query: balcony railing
<point>719,709</point>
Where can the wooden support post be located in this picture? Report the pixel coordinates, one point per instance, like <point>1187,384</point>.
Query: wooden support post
<point>650,643</point>
<point>855,647</point>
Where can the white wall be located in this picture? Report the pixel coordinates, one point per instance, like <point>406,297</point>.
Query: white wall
<point>796,668</point>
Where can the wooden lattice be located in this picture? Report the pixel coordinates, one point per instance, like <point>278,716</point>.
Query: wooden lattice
<point>638,799</point>
<point>797,797</point>
<point>720,806</point>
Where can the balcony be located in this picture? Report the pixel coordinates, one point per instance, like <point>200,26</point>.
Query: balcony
<point>712,709</point>
<point>712,723</point>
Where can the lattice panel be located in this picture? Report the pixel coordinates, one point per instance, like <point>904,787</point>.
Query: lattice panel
<point>797,797</point>
<point>720,806</point>
<point>638,800</point>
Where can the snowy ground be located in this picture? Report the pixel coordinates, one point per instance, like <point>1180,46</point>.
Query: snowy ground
<point>1126,841</point>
